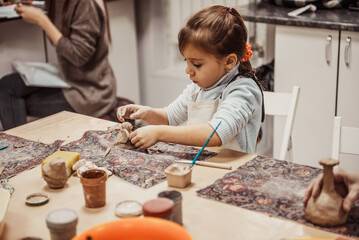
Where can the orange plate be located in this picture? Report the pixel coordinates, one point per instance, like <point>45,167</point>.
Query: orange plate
<point>146,228</point>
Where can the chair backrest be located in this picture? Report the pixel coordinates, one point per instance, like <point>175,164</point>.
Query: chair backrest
<point>345,139</point>
<point>282,104</point>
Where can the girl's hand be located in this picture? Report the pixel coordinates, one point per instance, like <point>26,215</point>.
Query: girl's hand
<point>30,14</point>
<point>132,111</point>
<point>145,137</point>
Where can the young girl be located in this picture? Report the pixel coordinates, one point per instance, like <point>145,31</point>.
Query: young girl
<point>78,29</point>
<point>224,89</point>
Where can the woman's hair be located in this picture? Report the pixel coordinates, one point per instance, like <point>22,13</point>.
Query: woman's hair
<point>50,7</point>
<point>219,31</point>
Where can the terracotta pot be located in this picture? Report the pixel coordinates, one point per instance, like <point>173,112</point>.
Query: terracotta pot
<point>94,187</point>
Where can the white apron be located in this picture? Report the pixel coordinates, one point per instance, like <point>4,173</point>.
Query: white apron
<point>203,111</point>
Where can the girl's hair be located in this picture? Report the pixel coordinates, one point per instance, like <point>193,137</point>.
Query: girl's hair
<point>50,7</point>
<point>219,31</point>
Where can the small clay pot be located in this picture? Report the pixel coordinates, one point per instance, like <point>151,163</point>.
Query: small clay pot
<point>94,187</point>
<point>55,183</point>
<point>55,173</point>
<point>178,175</point>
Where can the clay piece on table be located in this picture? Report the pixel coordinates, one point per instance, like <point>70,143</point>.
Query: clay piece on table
<point>119,126</point>
<point>83,165</point>
<point>116,127</point>
<point>178,175</point>
<point>122,139</point>
<point>128,126</point>
<point>122,136</point>
<point>56,173</point>
<point>326,209</point>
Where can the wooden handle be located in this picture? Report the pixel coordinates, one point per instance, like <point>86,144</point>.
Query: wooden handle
<point>212,164</point>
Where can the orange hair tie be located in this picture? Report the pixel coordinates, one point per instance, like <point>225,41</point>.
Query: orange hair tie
<point>248,53</point>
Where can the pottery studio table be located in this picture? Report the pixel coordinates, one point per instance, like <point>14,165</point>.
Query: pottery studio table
<point>203,218</point>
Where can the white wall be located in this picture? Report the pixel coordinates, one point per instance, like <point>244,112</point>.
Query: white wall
<point>123,52</point>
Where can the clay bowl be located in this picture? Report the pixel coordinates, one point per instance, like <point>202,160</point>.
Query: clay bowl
<point>146,228</point>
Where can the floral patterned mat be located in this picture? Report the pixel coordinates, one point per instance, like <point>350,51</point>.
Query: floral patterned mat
<point>273,187</point>
<point>141,168</point>
<point>22,154</point>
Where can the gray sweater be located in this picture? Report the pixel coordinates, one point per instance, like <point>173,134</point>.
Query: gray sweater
<point>240,110</point>
<point>83,58</point>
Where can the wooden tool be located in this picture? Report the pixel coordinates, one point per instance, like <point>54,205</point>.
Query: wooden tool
<point>208,164</point>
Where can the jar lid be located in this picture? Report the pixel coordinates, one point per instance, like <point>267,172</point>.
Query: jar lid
<point>37,199</point>
<point>159,207</point>
<point>61,218</point>
<point>128,208</point>
<point>171,194</point>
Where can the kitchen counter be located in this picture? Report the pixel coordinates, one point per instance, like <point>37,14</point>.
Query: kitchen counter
<point>337,19</point>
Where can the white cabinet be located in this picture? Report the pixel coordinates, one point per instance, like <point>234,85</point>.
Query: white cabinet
<point>308,58</point>
<point>348,90</point>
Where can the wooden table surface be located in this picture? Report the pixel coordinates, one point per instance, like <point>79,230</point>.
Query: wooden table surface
<point>204,219</point>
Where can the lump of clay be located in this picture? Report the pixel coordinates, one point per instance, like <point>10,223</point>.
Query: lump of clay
<point>128,126</point>
<point>56,173</point>
<point>116,127</point>
<point>83,165</point>
<point>122,136</point>
<point>326,209</point>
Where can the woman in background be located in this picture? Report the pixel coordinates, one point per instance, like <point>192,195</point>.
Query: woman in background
<point>79,31</point>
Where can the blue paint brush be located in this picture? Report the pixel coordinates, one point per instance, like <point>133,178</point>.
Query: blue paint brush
<point>205,144</point>
<point>1,148</point>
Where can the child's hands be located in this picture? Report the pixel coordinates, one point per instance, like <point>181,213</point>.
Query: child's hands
<point>132,111</point>
<point>144,137</point>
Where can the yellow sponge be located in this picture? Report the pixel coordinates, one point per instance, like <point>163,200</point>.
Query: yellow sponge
<point>69,157</point>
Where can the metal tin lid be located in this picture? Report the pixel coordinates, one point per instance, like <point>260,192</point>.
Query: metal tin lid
<point>159,207</point>
<point>128,208</point>
<point>62,218</point>
<point>37,199</point>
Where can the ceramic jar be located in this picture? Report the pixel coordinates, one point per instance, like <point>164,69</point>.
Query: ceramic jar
<point>94,187</point>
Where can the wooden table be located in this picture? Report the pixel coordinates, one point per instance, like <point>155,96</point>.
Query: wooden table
<point>203,219</point>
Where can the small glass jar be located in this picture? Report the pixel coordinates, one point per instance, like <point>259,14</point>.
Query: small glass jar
<point>62,224</point>
<point>176,197</point>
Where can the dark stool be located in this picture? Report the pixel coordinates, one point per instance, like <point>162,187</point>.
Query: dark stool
<point>111,116</point>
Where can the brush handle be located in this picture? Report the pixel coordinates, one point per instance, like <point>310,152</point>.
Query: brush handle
<point>205,144</point>
<point>216,165</point>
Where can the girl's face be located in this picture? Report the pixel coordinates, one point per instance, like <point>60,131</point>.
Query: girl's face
<point>204,69</point>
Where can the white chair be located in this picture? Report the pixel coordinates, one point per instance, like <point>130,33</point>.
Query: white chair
<point>345,139</point>
<point>282,104</point>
